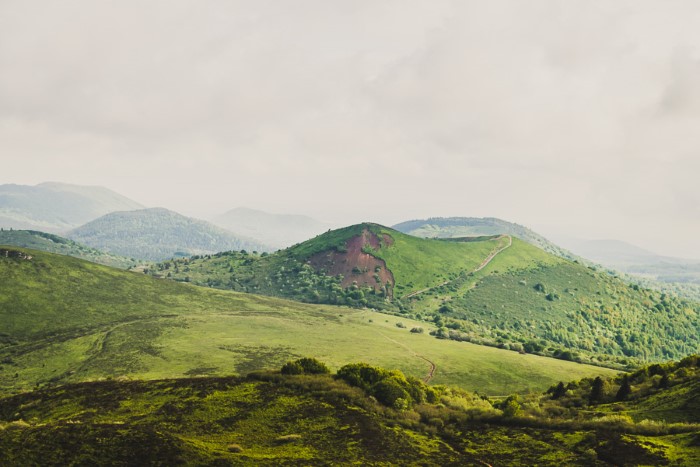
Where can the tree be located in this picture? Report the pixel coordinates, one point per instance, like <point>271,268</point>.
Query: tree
<point>596,390</point>
<point>625,389</point>
<point>559,391</point>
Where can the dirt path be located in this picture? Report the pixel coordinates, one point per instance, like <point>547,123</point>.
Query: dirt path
<point>483,264</point>
<point>433,366</point>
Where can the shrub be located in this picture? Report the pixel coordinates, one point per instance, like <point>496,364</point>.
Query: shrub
<point>309,366</point>
<point>312,366</point>
<point>400,325</point>
<point>510,406</point>
<point>391,393</point>
<point>361,375</point>
<point>234,448</point>
<point>417,330</point>
<point>292,368</point>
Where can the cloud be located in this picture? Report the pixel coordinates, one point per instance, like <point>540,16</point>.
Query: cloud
<point>576,116</point>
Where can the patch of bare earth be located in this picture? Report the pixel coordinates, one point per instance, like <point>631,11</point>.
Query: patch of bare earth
<point>355,265</point>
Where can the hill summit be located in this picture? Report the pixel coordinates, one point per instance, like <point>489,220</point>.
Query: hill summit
<point>156,234</point>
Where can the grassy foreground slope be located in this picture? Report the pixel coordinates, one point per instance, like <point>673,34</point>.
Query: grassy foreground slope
<point>498,291</point>
<point>317,419</point>
<point>67,320</point>
<point>55,244</point>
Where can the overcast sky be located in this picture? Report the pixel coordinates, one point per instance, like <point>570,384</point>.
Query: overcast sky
<point>577,118</point>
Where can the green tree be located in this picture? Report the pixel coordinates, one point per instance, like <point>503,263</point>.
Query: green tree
<point>596,390</point>
<point>625,389</point>
<point>559,391</point>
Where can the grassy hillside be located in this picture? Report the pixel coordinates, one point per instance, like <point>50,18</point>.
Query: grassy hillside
<point>63,246</point>
<point>456,227</point>
<point>67,320</point>
<point>57,207</point>
<point>156,234</point>
<point>316,419</point>
<point>498,291</point>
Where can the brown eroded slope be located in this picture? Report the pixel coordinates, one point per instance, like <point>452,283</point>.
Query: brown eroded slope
<point>355,265</point>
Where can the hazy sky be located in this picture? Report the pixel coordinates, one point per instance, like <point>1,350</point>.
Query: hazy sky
<point>570,117</point>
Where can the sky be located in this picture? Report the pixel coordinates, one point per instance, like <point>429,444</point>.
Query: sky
<point>576,118</point>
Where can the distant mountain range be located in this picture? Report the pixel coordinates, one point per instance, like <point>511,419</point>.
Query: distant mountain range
<point>277,230</point>
<point>57,207</point>
<point>157,234</point>
<point>631,259</point>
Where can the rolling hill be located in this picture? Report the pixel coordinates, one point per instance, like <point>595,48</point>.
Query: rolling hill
<point>494,290</point>
<point>65,320</point>
<point>277,230</point>
<point>57,207</point>
<point>157,234</point>
<point>318,419</point>
<point>63,246</point>
<point>456,227</point>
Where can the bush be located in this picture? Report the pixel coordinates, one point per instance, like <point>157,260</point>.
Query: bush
<point>417,330</point>
<point>292,368</point>
<point>361,375</point>
<point>391,393</point>
<point>306,365</point>
<point>312,366</point>
<point>234,448</point>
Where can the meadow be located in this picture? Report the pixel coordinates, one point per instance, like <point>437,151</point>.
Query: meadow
<point>68,320</point>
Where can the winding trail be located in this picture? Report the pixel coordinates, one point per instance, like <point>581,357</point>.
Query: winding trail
<point>433,366</point>
<point>483,264</point>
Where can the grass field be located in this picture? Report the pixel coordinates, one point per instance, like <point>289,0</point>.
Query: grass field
<point>66,320</point>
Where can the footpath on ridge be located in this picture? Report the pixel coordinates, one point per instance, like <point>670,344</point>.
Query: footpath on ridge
<point>483,264</point>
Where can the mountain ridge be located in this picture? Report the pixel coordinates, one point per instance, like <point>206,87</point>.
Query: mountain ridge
<point>157,234</point>
<point>57,207</point>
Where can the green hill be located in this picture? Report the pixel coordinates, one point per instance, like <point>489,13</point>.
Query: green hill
<point>494,290</point>
<point>55,244</point>
<point>156,234</point>
<point>57,207</point>
<point>65,320</point>
<point>455,227</point>
<point>362,415</point>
